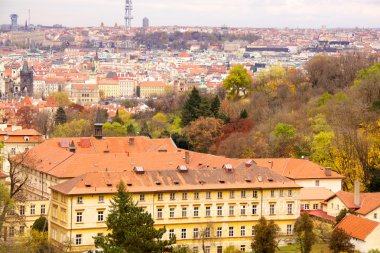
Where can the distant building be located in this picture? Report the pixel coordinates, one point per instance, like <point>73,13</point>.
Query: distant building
<point>152,89</point>
<point>145,22</point>
<point>26,80</point>
<point>82,93</point>
<point>14,25</point>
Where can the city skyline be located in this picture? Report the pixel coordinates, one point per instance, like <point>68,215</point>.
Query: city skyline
<point>240,13</point>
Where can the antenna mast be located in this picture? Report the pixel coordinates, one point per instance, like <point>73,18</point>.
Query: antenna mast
<point>128,13</point>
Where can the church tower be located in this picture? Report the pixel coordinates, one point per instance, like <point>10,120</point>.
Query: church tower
<point>26,80</point>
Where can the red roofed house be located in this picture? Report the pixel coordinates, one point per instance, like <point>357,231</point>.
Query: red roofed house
<point>364,233</point>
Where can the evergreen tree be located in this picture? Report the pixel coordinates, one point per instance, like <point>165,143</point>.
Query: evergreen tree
<point>265,238</point>
<point>191,109</point>
<point>131,228</point>
<point>215,106</point>
<point>303,230</point>
<point>60,116</point>
<point>341,216</point>
<point>340,241</point>
<point>41,224</point>
<point>243,114</point>
<point>117,118</point>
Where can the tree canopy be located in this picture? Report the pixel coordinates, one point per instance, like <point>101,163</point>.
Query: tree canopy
<point>266,233</point>
<point>238,82</point>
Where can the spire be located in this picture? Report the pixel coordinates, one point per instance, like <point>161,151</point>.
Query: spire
<point>25,67</point>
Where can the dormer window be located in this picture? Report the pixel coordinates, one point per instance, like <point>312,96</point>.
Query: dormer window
<point>228,167</point>
<point>182,168</point>
<point>138,170</point>
<point>26,138</point>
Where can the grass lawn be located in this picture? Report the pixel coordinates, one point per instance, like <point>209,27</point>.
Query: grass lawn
<point>317,248</point>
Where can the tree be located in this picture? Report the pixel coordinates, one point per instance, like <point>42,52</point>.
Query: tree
<point>25,116</point>
<point>41,224</point>
<point>341,215</point>
<point>340,241</point>
<point>303,230</point>
<point>75,128</point>
<point>243,114</point>
<point>203,132</point>
<point>284,136</point>
<point>117,118</point>
<point>114,129</point>
<point>131,228</point>
<point>238,82</point>
<point>190,110</point>
<point>60,116</point>
<point>18,178</point>
<point>215,106</point>
<point>43,122</point>
<point>265,238</point>
<point>61,98</point>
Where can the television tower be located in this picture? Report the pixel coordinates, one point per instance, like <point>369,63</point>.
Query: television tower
<point>128,13</point>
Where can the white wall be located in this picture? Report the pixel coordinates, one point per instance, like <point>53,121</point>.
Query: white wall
<point>333,184</point>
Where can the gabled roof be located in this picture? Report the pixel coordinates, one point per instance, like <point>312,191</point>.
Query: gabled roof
<point>368,201</point>
<point>357,227</point>
<point>296,168</point>
<point>315,193</point>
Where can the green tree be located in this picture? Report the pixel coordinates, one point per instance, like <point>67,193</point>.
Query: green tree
<point>340,241</point>
<point>284,136</point>
<point>75,128</point>
<point>60,116</point>
<point>117,118</point>
<point>114,129</point>
<point>303,230</point>
<point>215,106</point>
<point>341,215</point>
<point>243,114</point>
<point>238,82</point>
<point>41,224</point>
<point>265,238</point>
<point>131,228</point>
<point>191,109</point>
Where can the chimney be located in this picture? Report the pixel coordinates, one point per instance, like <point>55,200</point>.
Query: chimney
<point>72,147</point>
<point>328,171</point>
<point>187,157</point>
<point>357,194</point>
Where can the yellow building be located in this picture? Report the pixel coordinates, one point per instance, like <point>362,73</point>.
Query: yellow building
<point>219,206</point>
<point>152,89</point>
<point>109,87</point>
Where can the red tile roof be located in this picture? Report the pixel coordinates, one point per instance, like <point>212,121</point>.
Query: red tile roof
<point>357,227</point>
<point>369,201</point>
<point>296,168</point>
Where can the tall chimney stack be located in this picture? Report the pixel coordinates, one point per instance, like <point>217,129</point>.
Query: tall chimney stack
<point>357,194</point>
<point>187,157</point>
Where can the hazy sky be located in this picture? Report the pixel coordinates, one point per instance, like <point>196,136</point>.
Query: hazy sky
<point>242,13</point>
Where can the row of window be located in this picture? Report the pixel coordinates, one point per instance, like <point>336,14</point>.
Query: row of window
<point>204,233</point>
<point>32,210</point>
<point>307,206</point>
<point>79,217</point>
<point>12,231</point>
<point>207,232</point>
<point>219,211</point>
<point>173,195</point>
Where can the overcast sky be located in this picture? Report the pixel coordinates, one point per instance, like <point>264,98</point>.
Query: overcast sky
<point>233,13</point>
